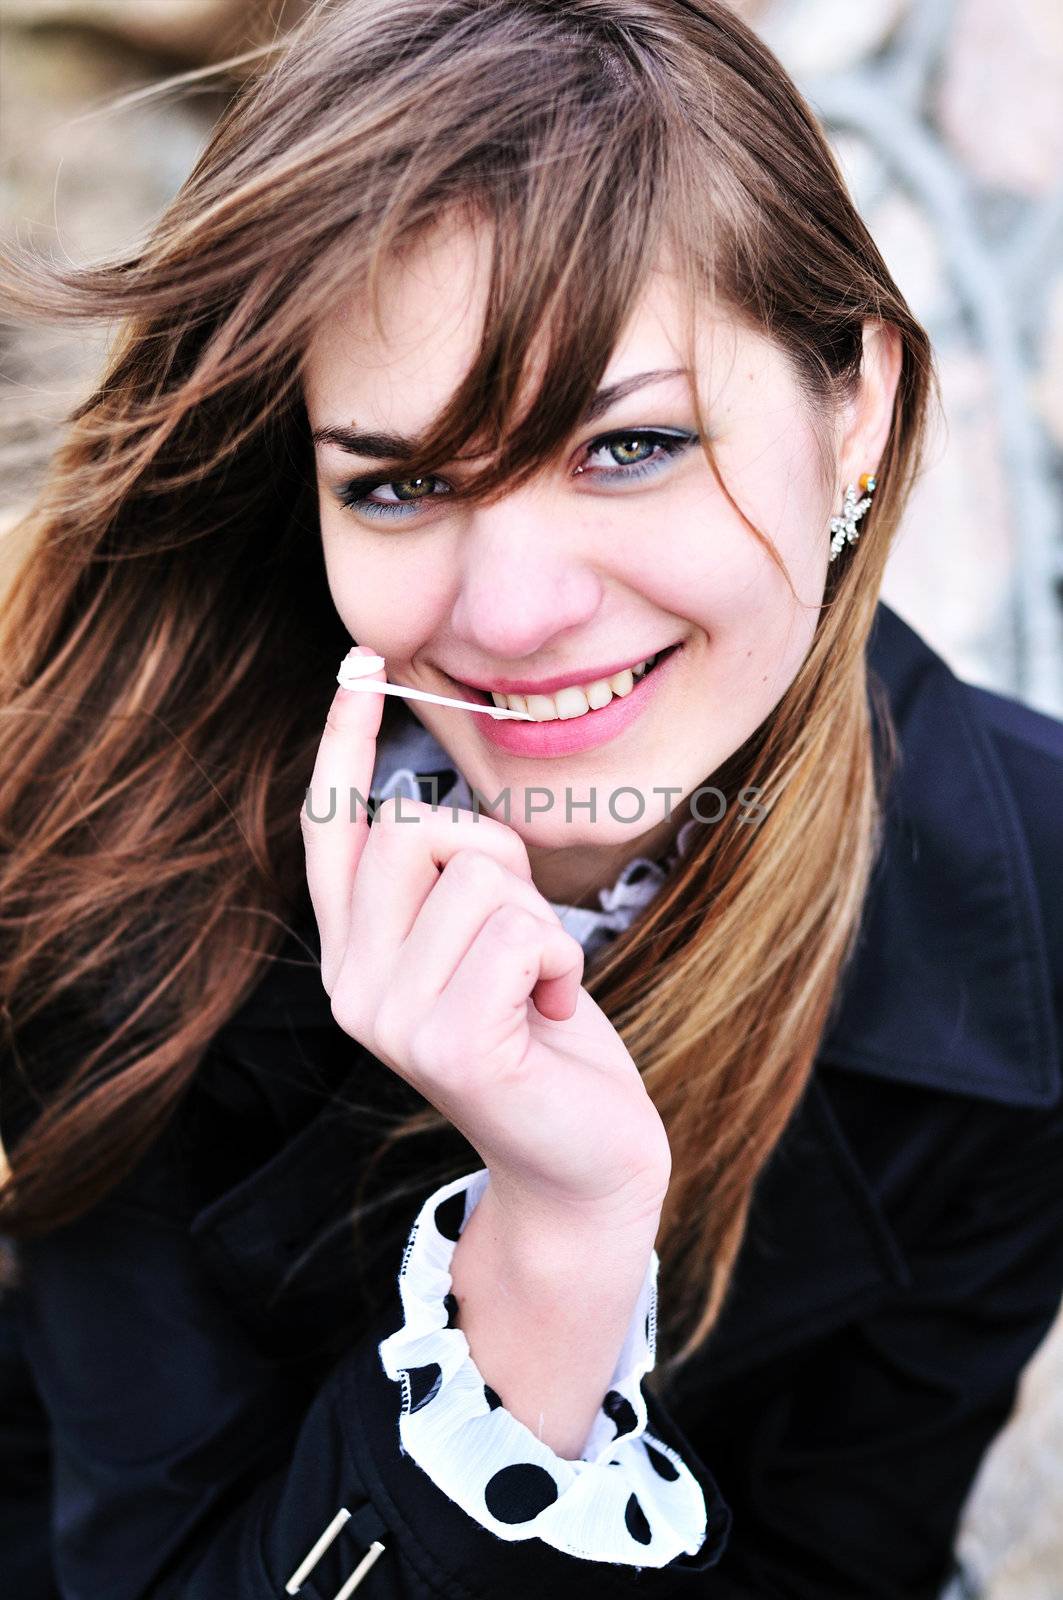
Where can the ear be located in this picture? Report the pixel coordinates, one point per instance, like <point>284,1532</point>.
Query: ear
<point>869,413</point>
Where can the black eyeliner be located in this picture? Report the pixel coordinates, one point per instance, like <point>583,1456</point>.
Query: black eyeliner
<point>355,490</point>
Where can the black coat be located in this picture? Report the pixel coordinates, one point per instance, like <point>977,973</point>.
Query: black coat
<point>199,1351</point>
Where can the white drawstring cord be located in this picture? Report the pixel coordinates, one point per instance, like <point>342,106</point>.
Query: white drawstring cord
<point>317,1550</point>
<point>375,1549</point>
<point>314,1555</point>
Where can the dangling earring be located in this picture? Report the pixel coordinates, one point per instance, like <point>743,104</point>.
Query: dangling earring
<point>844,527</point>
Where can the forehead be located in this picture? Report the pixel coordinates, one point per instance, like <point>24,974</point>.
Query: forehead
<point>432,303</point>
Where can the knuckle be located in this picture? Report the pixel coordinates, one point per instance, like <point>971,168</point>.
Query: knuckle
<point>505,845</point>
<point>516,923</point>
<point>398,811</point>
<point>473,869</point>
<point>346,1013</point>
<point>512,849</point>
<point>390,1029</point>
<point>427,1053</point>
<point>521,858</point>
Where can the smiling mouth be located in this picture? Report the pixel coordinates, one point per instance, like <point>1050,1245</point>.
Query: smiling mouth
<point>482,698</point>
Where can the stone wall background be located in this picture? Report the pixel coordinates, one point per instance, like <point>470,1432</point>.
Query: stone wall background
<point>947,118</point>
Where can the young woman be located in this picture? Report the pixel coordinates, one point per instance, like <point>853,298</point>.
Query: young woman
<point>633,1160</point>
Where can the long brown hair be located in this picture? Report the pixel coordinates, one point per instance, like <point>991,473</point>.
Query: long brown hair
<point>169,643</point>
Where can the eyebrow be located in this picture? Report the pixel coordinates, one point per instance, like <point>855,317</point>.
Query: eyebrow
<point>397,447</point>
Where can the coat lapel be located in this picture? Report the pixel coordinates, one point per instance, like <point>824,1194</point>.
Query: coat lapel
<point>950,984</point>
<point>818,1249</point>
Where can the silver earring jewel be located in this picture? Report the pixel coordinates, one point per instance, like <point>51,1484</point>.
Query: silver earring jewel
<point>844,528</point>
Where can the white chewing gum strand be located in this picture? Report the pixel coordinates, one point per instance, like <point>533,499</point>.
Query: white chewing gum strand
<point>353,666</point>
<point>354,669</point>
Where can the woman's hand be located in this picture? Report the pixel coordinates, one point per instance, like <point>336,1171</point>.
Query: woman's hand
<point>441,957</point>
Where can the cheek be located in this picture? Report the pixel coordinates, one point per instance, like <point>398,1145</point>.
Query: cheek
<point>710,570</point>
<point>343,563</point>
<point>719,570</point>
<point>696,558</point>
<point>365,574</point>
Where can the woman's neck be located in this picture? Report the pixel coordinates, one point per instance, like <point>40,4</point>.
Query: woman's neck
<point>573,875</point>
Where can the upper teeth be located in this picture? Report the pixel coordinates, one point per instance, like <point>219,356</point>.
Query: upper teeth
<point>577,698</point>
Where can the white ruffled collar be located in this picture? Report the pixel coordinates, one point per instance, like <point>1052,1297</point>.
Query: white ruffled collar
<point>411,751</point>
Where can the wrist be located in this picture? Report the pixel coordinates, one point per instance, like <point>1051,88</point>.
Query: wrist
<point>537,1251</point>
<point>529,1213</point>
<point>546,1313</point>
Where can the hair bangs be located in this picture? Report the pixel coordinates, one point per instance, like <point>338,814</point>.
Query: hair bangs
<point>575,206</point>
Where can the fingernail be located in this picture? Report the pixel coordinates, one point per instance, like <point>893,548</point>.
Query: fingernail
<point>359,662</point>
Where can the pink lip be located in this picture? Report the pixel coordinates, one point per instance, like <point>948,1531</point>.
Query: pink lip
<point>568,736</point>
<point>552,685</point>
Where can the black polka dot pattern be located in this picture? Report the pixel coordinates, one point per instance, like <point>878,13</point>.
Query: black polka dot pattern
<point>450,1215</point>
<point>620,1411</point>
<point>424,1385</point>
<point>661,1465</point>
<point>518,1493</point>
<point>649,1507</point>
<point>635,1521</point>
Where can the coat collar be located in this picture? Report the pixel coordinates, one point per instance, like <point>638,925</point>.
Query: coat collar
<point>950,983</point>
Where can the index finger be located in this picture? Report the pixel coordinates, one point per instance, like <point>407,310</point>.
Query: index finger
<point>334,814</point>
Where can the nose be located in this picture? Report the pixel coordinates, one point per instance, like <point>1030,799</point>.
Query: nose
<point>525,579</point>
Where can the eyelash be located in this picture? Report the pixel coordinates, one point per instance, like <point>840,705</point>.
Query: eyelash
<point>354,495</point>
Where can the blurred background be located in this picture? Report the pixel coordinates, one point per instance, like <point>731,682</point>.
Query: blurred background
<point>947,119</point>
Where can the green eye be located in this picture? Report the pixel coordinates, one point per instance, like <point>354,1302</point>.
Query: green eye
<point>633,444</point>
<point>413,484</point>
<point>637,453</point>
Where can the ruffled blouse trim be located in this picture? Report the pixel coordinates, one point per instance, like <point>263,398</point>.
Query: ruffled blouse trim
<point>630,1498</point>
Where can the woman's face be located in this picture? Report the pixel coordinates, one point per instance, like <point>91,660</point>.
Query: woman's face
<point>578,573</point>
